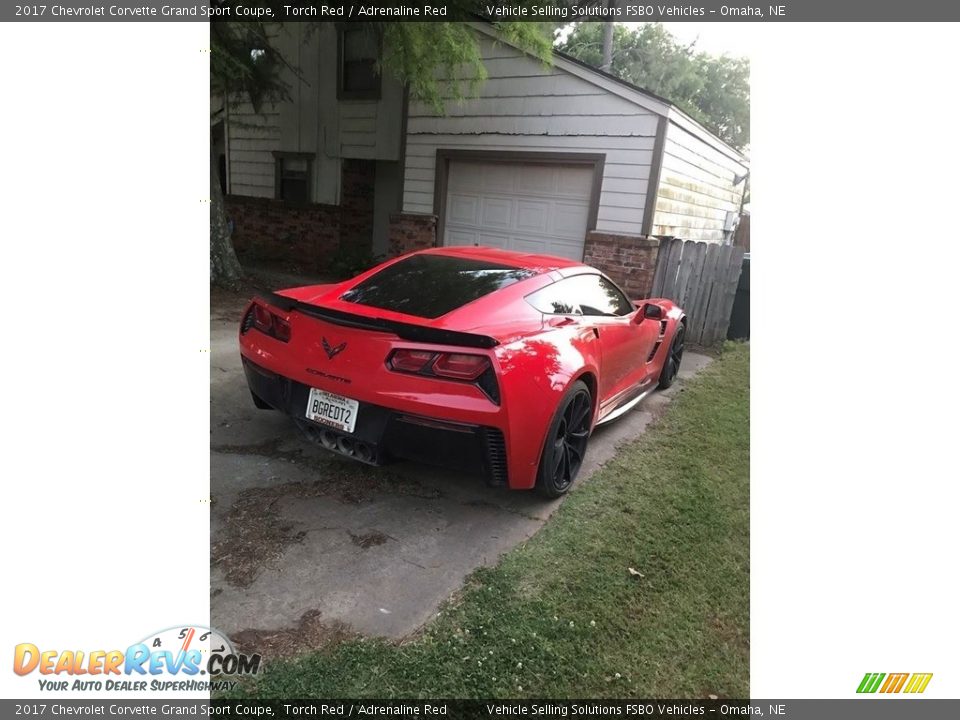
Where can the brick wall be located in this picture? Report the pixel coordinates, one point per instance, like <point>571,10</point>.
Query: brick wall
<point>306,237</point>
<point>409,232</point>
<point>629,260</point>
<point>266,229</point>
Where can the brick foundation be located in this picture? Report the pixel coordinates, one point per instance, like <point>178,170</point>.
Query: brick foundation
<point>629,260</point>
<point>306,237</point>
<point>266,229</point>
<point>409,232</point>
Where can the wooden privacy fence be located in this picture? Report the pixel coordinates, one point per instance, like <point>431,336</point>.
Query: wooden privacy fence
<point>702,279</point>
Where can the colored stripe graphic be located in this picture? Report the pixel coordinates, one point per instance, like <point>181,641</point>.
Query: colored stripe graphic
<point>918,682</point>
<point>894,682</point>
<point>870,682</point>
<point>915,683</point>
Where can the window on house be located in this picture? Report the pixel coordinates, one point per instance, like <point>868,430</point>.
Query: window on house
<point>293,171</point>
<point>358,58</point>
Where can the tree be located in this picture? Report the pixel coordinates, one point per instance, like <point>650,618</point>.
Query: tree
<point>714,90</point>
<point>244,62</point>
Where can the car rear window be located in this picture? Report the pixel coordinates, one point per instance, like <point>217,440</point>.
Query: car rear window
<point>429,286</point>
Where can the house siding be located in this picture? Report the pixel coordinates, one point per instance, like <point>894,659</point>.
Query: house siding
<point>312,121</point>
<point>696,188</point>
<point>528,106</point>
<point>251,139</point>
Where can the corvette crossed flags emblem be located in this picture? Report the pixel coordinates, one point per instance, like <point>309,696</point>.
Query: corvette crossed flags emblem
<point>331,351</point>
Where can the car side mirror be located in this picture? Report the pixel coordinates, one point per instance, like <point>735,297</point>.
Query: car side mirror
<point>652,311</point>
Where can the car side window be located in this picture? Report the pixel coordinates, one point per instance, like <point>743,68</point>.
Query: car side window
<point>581,295</point>
<point>555,299</point>
<point>596,295</point>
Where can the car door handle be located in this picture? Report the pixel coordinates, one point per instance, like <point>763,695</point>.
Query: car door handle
<point>561,321</point>
<point>596,332</point>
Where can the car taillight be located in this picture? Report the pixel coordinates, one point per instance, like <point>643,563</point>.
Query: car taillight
<point>410,360</point>
<point>262,319</point>
<point>475,369</point>
<point>281,329</point>
<point>266,322</point>
<point>459,366</point>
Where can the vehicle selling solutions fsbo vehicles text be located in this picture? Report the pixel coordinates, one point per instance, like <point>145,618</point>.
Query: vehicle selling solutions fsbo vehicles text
<point>626,12</point>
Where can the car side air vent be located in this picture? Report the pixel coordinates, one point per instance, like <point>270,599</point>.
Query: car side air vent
<point>247,321</point>
<point>496,457</point>
<point>663,328</point>
<point>656,346</point>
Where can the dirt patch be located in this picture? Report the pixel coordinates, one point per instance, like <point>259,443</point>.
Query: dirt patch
<point>310,633</point>
<point>255,535</point>
<point>370,539</point>
<point>351,482</point>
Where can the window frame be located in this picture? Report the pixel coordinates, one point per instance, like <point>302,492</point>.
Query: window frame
<point>278,175</point>
<point>342,92</point>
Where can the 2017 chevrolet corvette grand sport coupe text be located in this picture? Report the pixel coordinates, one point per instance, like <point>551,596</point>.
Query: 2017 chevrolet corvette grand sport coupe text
<point>473,358</point>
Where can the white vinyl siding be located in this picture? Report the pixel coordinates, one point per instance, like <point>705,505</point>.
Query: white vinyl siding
<point>252,138</point>
<point>527,106</point>
<point>696,188</point>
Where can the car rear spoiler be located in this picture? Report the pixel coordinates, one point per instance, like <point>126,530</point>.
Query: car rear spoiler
<point>406,331</point>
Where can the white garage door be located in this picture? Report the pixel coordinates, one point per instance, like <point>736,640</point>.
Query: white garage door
<point>518,206</point>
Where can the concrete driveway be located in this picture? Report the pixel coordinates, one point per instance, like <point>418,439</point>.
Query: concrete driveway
<point>305,544</point>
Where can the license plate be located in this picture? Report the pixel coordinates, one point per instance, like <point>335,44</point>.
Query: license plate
<point>336,411</point>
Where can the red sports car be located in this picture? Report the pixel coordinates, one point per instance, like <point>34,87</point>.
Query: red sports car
<point>475,358</point>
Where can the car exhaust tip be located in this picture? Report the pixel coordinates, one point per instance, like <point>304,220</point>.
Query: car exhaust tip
<point>328,439</point>
<point>346,446</point>
<point>364,452</point>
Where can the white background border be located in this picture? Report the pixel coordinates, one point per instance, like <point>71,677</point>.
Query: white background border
<point>854,388</point>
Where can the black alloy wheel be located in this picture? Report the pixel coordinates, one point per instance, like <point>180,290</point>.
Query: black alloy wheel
<point>566,442</point>
<point>671,366</point>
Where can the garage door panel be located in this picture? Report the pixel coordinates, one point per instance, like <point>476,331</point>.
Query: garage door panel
<point>571,250</point>
<point>496,212</point>
<point>461,237</point>
<point>463,209</point>
<point>574,181</point>
<point>530,245</point>
<point>568,219</point>
<point>532,216</point>
<point>465,182</point>
<point>537,180</point>
<point>519,206</point>
<point>491,240</point>
<point>497,177</point>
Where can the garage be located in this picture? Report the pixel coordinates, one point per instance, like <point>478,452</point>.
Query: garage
<point>525,206</point>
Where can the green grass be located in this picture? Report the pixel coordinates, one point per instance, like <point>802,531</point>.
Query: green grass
<point>562,616</point>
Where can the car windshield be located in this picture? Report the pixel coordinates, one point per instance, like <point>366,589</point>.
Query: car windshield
<point>429,286</point>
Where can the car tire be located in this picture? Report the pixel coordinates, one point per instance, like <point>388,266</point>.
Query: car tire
<point>671,366</point>
<point>566,443</point>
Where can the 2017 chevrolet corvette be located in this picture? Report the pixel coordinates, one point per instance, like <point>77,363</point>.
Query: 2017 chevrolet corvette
<point>474,358</point>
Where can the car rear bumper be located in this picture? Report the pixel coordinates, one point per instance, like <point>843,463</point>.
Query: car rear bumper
<point>382,434</point>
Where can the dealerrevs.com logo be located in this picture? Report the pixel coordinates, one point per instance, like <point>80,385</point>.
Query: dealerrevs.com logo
<point>910,683</point>
<point>182,658</point>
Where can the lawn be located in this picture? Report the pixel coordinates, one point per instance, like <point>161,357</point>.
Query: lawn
<point>639,585</point>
